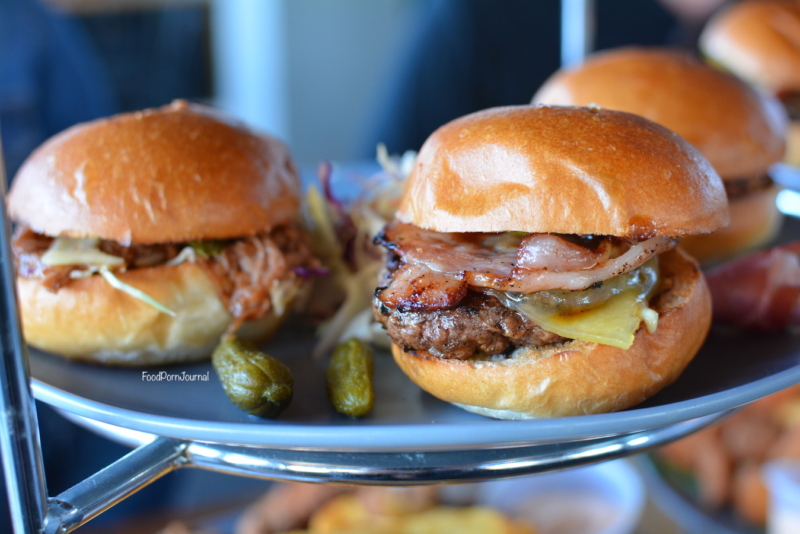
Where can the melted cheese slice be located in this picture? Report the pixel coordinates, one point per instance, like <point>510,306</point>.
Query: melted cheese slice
<point>84,251</point>
<point>609,314</point>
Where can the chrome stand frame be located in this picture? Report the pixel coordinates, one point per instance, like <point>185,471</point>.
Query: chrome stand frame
<point>22,451</point>
<point>157,456</point>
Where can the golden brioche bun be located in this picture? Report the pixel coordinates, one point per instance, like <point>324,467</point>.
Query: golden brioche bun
<point>578,377</point>
<point>755,221</point>
<point>739,131</point>
<point>759,41</point>
<point>562,170</point>
<point>179,173</point>
<point>91,321</point>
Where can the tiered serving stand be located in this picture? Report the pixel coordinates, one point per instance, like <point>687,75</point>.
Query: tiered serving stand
<point>420,462</point>
<point>435,444</point>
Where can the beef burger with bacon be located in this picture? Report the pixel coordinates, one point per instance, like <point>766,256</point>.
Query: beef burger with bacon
<point>144,237</point>
<point>532,268</point>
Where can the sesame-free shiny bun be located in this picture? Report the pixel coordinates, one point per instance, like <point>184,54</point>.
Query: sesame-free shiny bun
<point>740,131</point>
<point>759,41</point>
<point>134,178</point>
<point>562,170</point>
<point>578,377</point>
<point>89,320</point>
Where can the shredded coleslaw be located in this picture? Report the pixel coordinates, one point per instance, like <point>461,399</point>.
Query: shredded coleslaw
<point>342,238</point>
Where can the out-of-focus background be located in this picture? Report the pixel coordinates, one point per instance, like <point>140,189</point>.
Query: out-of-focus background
<point>331,78</point>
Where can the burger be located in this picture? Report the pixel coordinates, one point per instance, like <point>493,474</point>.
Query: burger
<point>532,269</point>
<point>142,238</point>
<point>757,40</point>
<point>739,131</point>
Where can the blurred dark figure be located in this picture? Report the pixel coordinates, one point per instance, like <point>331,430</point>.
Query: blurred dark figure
<point>57,70</point>
<point>51,76</point>
<point>155,56</point>
<point>468,55</point>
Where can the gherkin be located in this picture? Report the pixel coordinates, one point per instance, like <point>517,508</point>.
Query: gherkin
<point>349,378</point>
<point>254,381</point>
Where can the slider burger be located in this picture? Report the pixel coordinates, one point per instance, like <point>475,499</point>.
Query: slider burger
<point>739,131</point>
<point>532,269</point>
<point>144,237</point>
<point>759,41</point>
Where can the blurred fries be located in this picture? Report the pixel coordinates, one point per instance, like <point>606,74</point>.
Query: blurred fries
<point>726,458</point>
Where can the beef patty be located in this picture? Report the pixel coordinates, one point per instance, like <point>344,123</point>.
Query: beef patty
<point>478,323</point>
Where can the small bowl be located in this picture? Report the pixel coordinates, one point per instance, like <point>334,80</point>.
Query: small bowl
<point>606,498</point>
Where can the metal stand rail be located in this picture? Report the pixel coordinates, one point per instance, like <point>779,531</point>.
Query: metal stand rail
<point>158,456</point>
<point>21,448</point>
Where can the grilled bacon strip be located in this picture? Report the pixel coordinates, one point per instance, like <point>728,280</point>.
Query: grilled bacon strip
<point>414,286</point>
<point>494,254</point>
<point>506,262</point>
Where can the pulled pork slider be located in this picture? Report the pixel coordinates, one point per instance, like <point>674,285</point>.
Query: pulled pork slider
<point>739,131</point>
<point>144,237</point>
<point>532,269</point>
<point>759,41</point>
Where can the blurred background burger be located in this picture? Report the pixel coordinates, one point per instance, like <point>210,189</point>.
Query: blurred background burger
<point>738,130</point>
<point>759,41</point>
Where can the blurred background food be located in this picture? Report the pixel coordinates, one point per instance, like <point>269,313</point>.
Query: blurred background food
<point>330,78</point>
<point>606,499</point>
<point>760,291</point>
<point>757,40</point>
<point>720,467</point>
<point>741,132</point>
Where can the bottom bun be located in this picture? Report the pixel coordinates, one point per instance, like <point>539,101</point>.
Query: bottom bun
<point>578,377</point>
<point>91,321</point>
<point>755,221</point>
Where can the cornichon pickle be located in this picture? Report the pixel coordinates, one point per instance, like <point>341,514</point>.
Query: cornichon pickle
<point>349,378</point>
<point>254,381</point>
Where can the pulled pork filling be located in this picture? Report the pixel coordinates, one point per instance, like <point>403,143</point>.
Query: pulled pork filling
<point>439,290</point>
<point>243,270</point>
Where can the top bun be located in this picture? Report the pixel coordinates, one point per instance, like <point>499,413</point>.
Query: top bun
<point>758,40</point>
<point>178,173</point>
<point>739,131</point>
<point>562,170</point>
